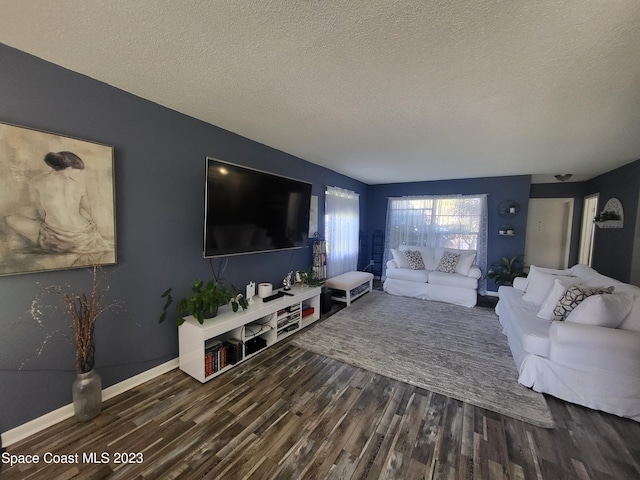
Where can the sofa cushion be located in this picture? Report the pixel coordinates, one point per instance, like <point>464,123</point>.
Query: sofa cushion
<point>426,252</point>
<point>575,295</point>
<point>421,276</point>
<point>540,284</point>
<point>602,310</point>
<point>414,257</point>
<point>467,257</point>
<point>532,332</point>
<point>448,262</point>
<point>400,258</point>
<point>554,295</point>
<point>452,280</point>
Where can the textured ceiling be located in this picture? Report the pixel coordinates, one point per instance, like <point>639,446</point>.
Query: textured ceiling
<point>382,91</point>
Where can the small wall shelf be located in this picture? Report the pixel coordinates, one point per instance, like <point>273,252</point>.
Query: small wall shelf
<point>613,205</point>
<point>508,208</point>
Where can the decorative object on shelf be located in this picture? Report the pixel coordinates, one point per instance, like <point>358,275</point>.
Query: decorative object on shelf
<point>508,208</point>
<point>507,230</point>
<point>84,309</point>
<point>69,173</point>
<point>612,216</point>
<point>250,292</point>
<point>564,177</point>
<point>204,301</point>
<point>506,270</point>
<point>286,281</point>
<point>264,290</point>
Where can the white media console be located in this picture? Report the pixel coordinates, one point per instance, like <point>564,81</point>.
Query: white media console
<point>268,322</point>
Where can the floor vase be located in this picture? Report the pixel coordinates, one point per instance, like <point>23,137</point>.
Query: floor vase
<point>87,395</point>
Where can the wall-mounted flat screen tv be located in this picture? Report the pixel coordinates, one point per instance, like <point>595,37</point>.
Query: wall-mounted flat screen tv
<point>251,211</point>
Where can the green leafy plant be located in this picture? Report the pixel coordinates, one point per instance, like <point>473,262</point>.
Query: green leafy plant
<point>506,270</point>
<point>204,301</point>
<point>309,277</point>
<point>606,215</point>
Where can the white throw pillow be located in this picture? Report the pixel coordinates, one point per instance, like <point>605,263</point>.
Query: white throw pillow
<point>606,310</point>
<point>555,294</point>
<point>400,258</point>
<point>540,284</point>
<point>553,271</point>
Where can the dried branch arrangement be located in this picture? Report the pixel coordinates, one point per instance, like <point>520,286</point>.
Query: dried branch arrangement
<point>84,309</point>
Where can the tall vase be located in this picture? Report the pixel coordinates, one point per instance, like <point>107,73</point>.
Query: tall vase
<point>87,395</point>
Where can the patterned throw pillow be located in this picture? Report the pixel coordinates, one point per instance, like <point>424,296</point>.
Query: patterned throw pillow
<point>573,297</point>
<point>448,262</point>
<point>414,257</point>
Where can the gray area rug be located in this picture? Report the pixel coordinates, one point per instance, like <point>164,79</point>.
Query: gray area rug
<point>455,351</point>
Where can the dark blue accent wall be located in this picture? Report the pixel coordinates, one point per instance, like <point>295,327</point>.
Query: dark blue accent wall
<point>514,188</point>
<point>613,248</point>
<point>159,181</point>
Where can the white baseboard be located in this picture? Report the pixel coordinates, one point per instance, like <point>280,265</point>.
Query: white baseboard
<point>491,294</point>
<point>34,426</point>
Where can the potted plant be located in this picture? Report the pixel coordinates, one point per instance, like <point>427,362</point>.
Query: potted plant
<point>506,270</point>
<point>309,277</point>
<point>606,215</point>
<point>204,301</point>
<point>509,229</point>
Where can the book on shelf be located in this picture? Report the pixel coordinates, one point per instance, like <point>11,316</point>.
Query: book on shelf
<point>307,310</point>
<point>218,354</point>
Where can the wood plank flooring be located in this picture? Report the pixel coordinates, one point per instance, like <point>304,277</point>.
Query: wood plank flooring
<point>291,414</point>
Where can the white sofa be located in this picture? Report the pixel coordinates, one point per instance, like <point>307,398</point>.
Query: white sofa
<point>459,287</point>
<point>592,356</point>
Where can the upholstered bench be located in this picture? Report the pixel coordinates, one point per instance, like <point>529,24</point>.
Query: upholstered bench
<point>354,284</point>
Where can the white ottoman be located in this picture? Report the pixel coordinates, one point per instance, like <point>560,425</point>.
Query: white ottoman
<point>354,284</point>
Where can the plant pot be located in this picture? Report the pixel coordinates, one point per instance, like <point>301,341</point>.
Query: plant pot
<point>87,396</point>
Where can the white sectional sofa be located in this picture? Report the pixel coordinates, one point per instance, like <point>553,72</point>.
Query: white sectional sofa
<point>592,356</point>
<point>459,287</point>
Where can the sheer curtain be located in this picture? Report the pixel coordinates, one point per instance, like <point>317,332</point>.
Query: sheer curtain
<point>451,221</point>
<point>342,226</point>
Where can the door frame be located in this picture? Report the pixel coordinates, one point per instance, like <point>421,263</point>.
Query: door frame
<point>588,227</point>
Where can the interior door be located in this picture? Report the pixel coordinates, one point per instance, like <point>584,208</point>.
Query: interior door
<point>548,237</point>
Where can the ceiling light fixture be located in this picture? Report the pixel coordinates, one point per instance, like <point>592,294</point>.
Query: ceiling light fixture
<point>564,177</point>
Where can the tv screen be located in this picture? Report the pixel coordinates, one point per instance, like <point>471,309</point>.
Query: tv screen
<point>250,211</point>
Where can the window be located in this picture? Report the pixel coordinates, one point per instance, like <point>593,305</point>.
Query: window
<point>456,221</point>
<point>342,224</point>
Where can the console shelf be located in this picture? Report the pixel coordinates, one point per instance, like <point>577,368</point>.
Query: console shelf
<point>259,321</point>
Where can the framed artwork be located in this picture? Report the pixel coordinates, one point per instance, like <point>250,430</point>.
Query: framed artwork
<point>57,202</point>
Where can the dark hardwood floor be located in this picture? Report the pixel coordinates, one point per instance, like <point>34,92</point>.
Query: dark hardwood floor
<point>291,414</point>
